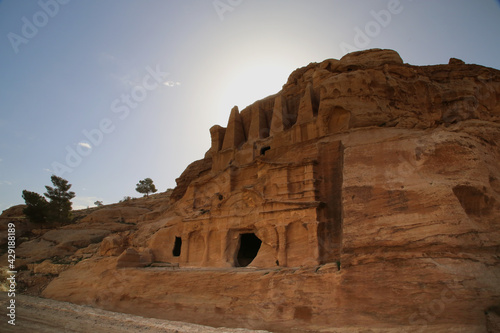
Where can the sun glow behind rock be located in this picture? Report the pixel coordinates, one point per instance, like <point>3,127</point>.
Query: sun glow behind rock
<point>255,82</point>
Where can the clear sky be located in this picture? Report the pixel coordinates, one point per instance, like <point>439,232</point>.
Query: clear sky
<point>106,93</point>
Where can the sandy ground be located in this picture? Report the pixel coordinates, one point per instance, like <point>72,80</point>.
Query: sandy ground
<point>43,315</point>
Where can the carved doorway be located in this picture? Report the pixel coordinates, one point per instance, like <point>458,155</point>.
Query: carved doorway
<point>248,249</point>
<point>176,252</point>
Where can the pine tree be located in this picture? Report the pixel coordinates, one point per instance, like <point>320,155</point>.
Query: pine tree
<point>146,186</point>
<point>36,207</point>
<point>60,200</point>
<point>58,209</point>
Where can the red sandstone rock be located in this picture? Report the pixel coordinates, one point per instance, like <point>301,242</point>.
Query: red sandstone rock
<point>47,267</point>
<point>15,215</point>
<point>133,258</point>
<point>115,215</point>
<point>114,244</point>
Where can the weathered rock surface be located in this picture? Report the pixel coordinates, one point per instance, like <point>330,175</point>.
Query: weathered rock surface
<point>124,215</point>
<point>135,258</point>
<point>58,243</point>
<point>49,316</point>
<point>366,193</point>
<point>114,244</point>
<point>44,251</point>
<point>47,267</point>
<point>15,215</point>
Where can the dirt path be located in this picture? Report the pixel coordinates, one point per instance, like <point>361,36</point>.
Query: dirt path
<point>43,315</point>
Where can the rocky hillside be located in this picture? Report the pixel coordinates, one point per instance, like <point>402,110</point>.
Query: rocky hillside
<point>43,252</point>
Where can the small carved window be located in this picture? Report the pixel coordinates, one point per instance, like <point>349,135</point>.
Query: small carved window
<point>264,149</point>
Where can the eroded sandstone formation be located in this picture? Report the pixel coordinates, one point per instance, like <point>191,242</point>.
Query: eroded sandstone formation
<point>366,193</point>
<point>276,171</point>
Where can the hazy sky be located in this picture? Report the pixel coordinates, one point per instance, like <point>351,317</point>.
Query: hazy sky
<point>106,93</point>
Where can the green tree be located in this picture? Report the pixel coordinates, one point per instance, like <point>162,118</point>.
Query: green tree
<point>58,209</point>
<point>36,207</point>
<point>146,186</point>
<point>60,199</point>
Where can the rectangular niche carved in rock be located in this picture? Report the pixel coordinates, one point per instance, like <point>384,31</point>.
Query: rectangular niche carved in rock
<point>176,252</point>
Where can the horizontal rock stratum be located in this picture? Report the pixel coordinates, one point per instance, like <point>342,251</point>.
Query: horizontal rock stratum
<point>364,194</point>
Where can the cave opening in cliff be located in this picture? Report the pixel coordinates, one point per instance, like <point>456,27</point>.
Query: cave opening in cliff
<point>176,252</point>
<point>249,247</point>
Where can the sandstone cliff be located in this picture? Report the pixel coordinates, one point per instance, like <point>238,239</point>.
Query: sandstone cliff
<point>365,193</point>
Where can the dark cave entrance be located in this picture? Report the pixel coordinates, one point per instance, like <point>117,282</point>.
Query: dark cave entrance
<point>176,252</point>
<point>249,247</point>
<point>264,149</point>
